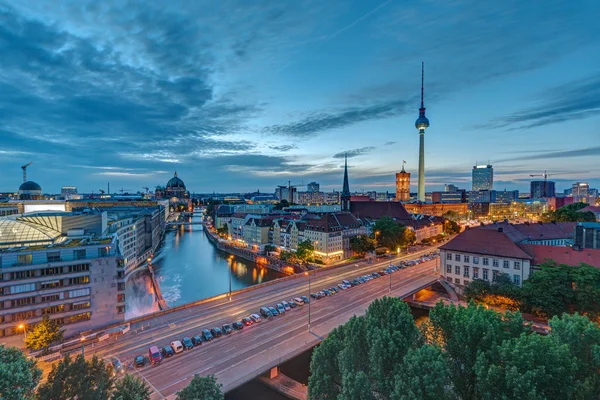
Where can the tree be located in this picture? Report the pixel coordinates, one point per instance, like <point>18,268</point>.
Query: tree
<point>548,291</point>
<point>223,231</point>
<point>451,227</point>
<point>19,375</point>
<point>451,215</point>
<point>582,337</point>
<point>131,388</point>
<point>77,378</point>
<point>269,248</point>
<point>387,233</point>
<point>305,250</point>
<point>477,290</point>
<point>45,333</point>
<point>202,387</point>
<point>281,205</point>
<point>425,376</point>
<point>570,213</point>
<point>528,367</point>
<point>325,380</point>
<point>362,244</point>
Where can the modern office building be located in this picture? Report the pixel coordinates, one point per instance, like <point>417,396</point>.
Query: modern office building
<point>580,192</point>
<point>403,185</point>
<point>483,177</point>
<point>450,188</point>
<point>448,197</point>
<point>66,192</point>
<point>540,189</point>
<point>309,197</point>
<point>312,187</point>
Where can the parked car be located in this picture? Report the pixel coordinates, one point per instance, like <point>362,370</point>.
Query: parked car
<point>255,317</point>
<point>305,299</point>
<point>280,308</point>
<point>154,355</point>
<point>333,290</point>
<point>237,326</point>
<point>346,282</point>
<point>139,361</point>
<point>187,343</point>
<point>207,335</point>
<point>216,332</point>
<point>292,304</point>
<point>197,340</point>
<point>273,311</point>
<point>314,295</point>
<point>117,367</point>
<point>248,320</point>
<point>299,301</point>
<point>167,351</point>
<point>342,286</point>
<point>227,329</point>
<point>266,312</point>
<point>326,292</point>
<point>177,346</point>
<point>286,306</point>
<point>355,282</point>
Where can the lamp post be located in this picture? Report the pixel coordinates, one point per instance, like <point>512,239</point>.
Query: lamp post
<point>309,300</point>
<point>22,326</point>
<point>390,274</point>
<point>82,347</point>
<point>229,267</point>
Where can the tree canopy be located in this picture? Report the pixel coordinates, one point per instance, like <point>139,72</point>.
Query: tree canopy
<point>131,388</point>
<point>388,233</point>
<point>19,375</point>
<point>305,250</point>
<point>460,353</point>
<point>202,387</point>
<point>362,244</point>
<point>44,334</point>
<point>570,213</point>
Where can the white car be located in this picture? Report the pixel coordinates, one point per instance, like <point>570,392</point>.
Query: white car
<point>299,301</point>
<point>342,286</point>
<point>255,318</point>
<point>177,346</point>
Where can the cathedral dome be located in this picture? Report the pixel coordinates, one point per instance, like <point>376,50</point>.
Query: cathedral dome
<point>30,185</point>
<point>175,182</point>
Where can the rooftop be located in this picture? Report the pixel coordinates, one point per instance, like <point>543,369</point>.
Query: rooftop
<point>535,231</point>
<point>562,255</point>
<point>486,242</point>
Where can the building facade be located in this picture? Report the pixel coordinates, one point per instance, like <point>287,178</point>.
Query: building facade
<point>403,185</point>
<point>540,189</point>
<point>482,177</point>
<point>580,192</point>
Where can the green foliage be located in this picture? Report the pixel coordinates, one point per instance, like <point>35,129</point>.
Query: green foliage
<point>305,250</point>
<point>131,388</point>
<point>223,231</point>
<point>281,205</point>
<point>202,387</point>
<point>388,233</point>
<point>269,248</point>
<point>451,215</point>
<point>19,375</point>
<point>210,207</point>
<point>451,227</point>
<point>528,367</point>
<point>44,334</point>
<point>570,213</point>
<point>77,379</point>
<point>362,244</point>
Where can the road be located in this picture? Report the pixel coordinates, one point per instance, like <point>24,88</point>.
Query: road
<point>243,355</point>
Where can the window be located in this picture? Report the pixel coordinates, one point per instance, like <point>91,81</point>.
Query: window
<point>22,274</point>
<point>475,260</point>
<point>28,287</point>
<point>466,271</point>
<point>457,257</point>
<point>121,286</point>
<point>466,282</point>
<point>79,317</point>
<point>24,301</point>
<point>517,265</point>
<point>80,305</point>
<point>494,275</point>
<point>22,316</point>
<point>121,309</point>
<point>51,271</point>
<point>466,258</point>
<point>486,261</point>
<point>24,259</point>
<point>495,263</point>
<point>79,280</point>
<point>457,270</point>
<point>103,252</point>
<point>485,274</point>
<point>457,280</point>
<point>449,268</point>
<point>79,292</point>
<point>517,279</point>
<point>120,274</point>
<point>51,284</point>
<point>121,298</point>
<point>52,297</point>
<point>505,264</point>
<point>79,254</point>
<point>53,256</point>
<point>53,310</point>
<point>475,273</point>
<point>79,268</point>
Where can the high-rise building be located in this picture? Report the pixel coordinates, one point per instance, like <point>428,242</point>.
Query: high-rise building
<point>421,124</point>
<point>66,191</point>
<point>483,177</point>
<point>312,187</point>
<point>345,197</point>
<point>450,188</point>
<point>403,185</point>
<point>539,189</point>
<point>580,192</point>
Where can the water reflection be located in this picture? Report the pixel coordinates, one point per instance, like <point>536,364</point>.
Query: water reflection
<point>188,268</point>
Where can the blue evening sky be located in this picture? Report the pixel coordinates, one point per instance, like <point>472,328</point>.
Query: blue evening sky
<point>248,94</point>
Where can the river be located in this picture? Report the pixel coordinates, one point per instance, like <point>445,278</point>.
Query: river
<point>189,268</point>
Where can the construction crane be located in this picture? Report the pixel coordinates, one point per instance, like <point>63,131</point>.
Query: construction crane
<point>289,188</point>
<point>545,175</point>
<point>24,168</point>
<point>101,192</point>
<point>147,188</point>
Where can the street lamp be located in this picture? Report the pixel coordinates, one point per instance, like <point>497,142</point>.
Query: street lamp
<point>82,347</point>
<point>229,267</point>
<point>22,326</point>
<point>309,300</point>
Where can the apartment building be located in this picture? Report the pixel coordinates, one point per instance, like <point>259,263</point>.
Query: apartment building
<point>330,234</point>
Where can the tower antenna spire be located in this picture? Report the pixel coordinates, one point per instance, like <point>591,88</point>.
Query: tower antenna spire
<point>422,80</point>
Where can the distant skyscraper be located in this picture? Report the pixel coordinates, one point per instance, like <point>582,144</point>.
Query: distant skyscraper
<point>345,197</point>
<point>450,188</point>
<point>421,124</point>
<point>312,187</point>
<point>67,191</point>
<point>483,177</point>
<point>403,185</point>
<point>580,192</point>
<point>540,189</point>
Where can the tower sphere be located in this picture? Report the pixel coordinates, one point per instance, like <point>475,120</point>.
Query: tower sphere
<point>422,123</point>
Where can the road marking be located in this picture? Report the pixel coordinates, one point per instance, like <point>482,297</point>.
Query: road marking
<point>148,382</point>
<point>172,325</point>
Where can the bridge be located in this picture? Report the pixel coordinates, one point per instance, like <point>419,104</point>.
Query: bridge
<point>185,223</point>
<point>245,355</point>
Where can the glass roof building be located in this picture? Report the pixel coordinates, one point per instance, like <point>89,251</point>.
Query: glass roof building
<point>19,233</point>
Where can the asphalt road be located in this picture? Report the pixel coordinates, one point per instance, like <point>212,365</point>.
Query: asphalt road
<point>241,356</point>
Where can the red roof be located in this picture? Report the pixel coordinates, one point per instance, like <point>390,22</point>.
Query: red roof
<point>563,255</point>
<point>535,230</point>
<point>331,222</point>
<point>379,209</point>
<point>486,242</point>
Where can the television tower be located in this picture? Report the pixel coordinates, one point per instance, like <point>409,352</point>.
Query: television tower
<point>421,124</point>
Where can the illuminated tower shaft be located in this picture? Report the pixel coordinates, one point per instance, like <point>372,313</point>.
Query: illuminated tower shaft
<point>421,124</point>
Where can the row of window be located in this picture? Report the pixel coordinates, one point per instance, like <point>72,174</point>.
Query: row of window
<point>79,254</point>
<point>484,260</point>
<point>18,275</point>
<point>484,273</point>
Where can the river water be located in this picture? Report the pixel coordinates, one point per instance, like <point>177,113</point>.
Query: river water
<point>188,268</point>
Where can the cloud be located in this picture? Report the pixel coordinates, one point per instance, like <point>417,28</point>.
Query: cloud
<point>586,152</point>
<point>284,147</point>
<point>354,152</point>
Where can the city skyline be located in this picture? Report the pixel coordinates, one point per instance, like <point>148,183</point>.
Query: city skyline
<point>121,93</point>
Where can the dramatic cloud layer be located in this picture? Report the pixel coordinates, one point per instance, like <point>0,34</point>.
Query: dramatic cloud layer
<point>244,95</point>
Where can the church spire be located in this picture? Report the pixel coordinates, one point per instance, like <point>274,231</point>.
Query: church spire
<point>345,198</point>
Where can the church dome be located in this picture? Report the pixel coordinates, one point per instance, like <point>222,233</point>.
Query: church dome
<point>30,185</point>
<point>175,182</point>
